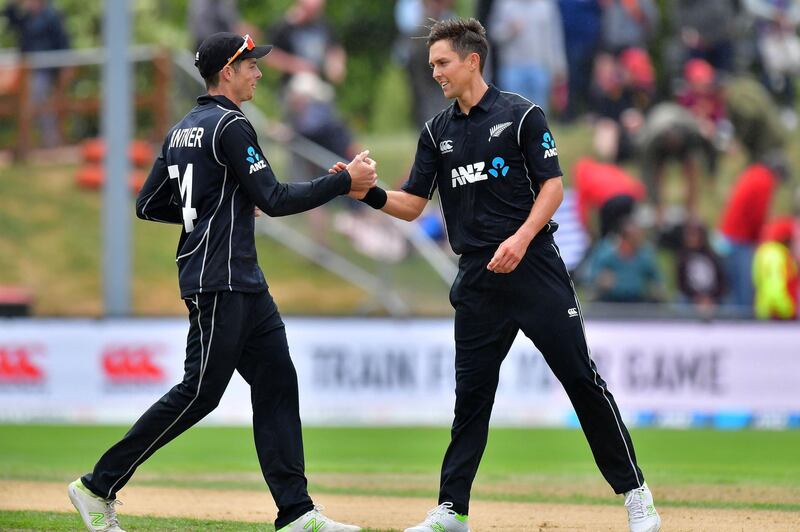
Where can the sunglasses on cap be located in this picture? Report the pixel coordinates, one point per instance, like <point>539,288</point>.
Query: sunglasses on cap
<point>247,45</point>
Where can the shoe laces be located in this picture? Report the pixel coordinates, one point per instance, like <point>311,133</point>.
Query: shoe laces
<point>635,502</point>
<point>111,513</point>
<point>442,510</point>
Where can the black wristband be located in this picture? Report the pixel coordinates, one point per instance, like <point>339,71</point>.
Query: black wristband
<point>376,198</point>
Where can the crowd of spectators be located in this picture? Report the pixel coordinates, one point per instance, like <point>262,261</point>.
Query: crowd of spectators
<point>39,27</point>
<point>669,90</point>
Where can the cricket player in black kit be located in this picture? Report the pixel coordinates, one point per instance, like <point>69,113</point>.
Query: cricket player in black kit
<point>495,163</point>
<point>210,176</point>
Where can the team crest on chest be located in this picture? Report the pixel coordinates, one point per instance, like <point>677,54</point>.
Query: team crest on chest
<point>497,129</point>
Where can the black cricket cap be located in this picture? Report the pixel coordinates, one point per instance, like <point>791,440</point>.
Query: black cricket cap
<point>217,49</point>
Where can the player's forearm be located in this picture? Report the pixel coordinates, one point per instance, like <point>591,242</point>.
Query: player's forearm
<point>155,201</point>
<point>545,206</point>
<point>403,205</point>
<point>283,199</point>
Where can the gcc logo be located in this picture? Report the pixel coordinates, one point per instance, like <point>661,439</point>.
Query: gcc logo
<point>17,365</point>
<point>132,364</point>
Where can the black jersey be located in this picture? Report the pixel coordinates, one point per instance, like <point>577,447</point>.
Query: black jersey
<point>488,166</point>
<point>209,176</point>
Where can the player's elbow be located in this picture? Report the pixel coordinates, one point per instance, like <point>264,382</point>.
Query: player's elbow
<point>411,207</point>
<point>409,216</point>
<point>140,205</point>
<point>273,211</point>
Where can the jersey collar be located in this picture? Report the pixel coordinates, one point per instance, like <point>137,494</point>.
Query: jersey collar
<point>484,104</point>
<point>219,100</point>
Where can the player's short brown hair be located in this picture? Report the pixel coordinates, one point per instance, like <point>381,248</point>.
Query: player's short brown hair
<point>466,36</point>
<point>213,80</point>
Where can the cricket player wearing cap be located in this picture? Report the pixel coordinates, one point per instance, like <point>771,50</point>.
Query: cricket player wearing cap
<point>494,161</point>
<point>210,176</point>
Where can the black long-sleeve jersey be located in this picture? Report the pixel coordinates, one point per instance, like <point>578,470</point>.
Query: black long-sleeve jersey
<point>209,177</point>
<point>488,165</point>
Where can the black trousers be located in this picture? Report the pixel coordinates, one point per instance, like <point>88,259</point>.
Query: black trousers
<point>228,331</point>
<point>537,298</point>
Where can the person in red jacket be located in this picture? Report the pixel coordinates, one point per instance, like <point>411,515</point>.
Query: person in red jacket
<point>607,189</point>
<point>743,220</point>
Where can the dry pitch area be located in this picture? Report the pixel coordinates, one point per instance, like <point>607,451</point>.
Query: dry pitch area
<point>392,513</point>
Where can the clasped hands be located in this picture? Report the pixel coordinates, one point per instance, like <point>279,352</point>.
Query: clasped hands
<point>363,175</point>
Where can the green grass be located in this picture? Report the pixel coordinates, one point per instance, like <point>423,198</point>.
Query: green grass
<point>405,462</point>
<point>667,456</point>
<point>54,521</point>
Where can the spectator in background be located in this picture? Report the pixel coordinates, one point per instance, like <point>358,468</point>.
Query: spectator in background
<point>628,24</point>
<point>607,192</point>
<point>611,98</point>
<point>776,23</point>
<point>623,267</point>
<point>312,61</point>
<point>705,100</point>
<point>704,30</point>
<point>775,273</point>
<point>531,58</point>
<point>581,24</point>
<point>671,133</point>
<point>700,275</point>
<point>304,42</point>
<point>312,115</point>
<point>207,17</point>
<point>39,28</point>
<point>483,10</point>
<point>742,223</point>
<point>413,18</point>
<point>755,119</point>
<point>306,51</point>
<point>623,89</point>
<point>640,77</point>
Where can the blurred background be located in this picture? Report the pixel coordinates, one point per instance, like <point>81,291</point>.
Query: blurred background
<point>675,123</point>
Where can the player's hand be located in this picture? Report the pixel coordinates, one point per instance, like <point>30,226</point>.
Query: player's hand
<point>336,168</point>
<point>362,172</point>
<point>509,254</point>
<point>257,212</point>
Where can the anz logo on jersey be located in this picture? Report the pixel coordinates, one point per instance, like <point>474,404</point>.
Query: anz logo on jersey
<point>472,173</point>
<point>549,145</point>
<point>255,160</point>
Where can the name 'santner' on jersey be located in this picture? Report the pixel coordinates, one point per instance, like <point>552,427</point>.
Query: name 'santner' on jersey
<point>209,177</point>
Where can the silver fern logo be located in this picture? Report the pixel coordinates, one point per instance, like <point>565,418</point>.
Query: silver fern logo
<point>495,130</point>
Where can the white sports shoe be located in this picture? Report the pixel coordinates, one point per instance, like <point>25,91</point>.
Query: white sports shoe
<point>98,514</point>
<point>642,515</point>
<point>314,521</point>
<point>442,519</point>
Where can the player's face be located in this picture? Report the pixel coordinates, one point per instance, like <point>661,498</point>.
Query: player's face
<point>452,73</point>
<point>245,80</point>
